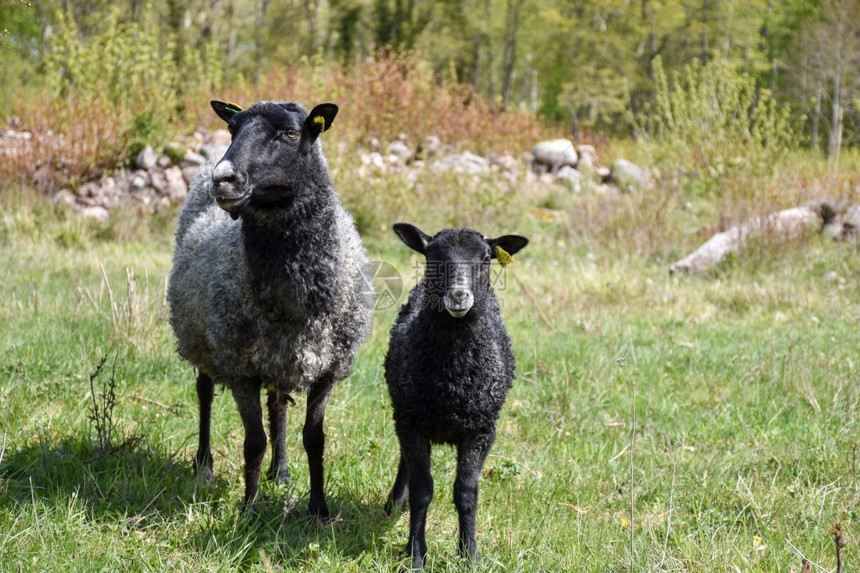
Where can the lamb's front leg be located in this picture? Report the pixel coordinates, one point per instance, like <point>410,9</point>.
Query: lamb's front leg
<point>416,454</point>
<point>471,453</point>
<point>277,405</point>
<point>247,397</point>
<point>313,438</point>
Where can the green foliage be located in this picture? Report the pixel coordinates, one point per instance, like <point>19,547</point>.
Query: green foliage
<point>711,122</point>
<point>19,39</point>
<point>131,65</point>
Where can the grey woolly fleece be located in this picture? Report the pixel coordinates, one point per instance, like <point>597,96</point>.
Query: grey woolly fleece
<point>448,376</point>
<point>276,297</point>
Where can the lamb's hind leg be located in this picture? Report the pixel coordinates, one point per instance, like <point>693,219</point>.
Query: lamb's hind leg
<point>399,491</point>
<point>277,405</point>
<point>203,458</point>
<point>471,454</point>
<point>247,397</point>
<point>313,438</point>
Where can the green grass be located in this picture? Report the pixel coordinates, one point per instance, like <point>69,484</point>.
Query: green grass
<point>745,386</point>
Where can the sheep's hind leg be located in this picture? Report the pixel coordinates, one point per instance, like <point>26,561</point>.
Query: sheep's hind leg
<point>314,442</point>
<point>247,397</point>
<point>203,458</point>
<point>471,454</point>
<point>399,491</point>
<point>277,405</point>
<point>416,452</point>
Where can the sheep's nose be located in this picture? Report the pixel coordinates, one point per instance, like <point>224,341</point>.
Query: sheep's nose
<point>225,176</point>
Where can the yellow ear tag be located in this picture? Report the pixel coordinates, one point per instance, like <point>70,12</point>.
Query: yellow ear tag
<point>321,121</point>
<point>232,107</point>
<point>504,258</point>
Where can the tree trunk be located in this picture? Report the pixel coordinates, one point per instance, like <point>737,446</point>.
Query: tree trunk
<point>834,143</point>
<point>512,23</point>
<point>815,117</point>
<point>259,40</point>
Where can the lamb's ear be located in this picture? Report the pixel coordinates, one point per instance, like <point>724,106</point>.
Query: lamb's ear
<point>319,120</point>
<point>511,244</point>
<point>224,109</point>
<point>412,237</point>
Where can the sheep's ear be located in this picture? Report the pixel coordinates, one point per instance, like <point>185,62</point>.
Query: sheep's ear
<point>321,118</point>
<point>318,121</point>
<point>224,109</point>
<point>510,244</point>
<point>412,237</point>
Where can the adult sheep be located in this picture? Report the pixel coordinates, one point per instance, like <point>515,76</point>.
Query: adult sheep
<point>449,368</point>
<point>267,290</point>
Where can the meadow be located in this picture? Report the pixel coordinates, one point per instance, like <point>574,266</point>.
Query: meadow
<point>658,422</point>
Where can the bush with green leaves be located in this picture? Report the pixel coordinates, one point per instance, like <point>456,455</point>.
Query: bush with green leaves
<point>711,123</point>
<point>134,66</point>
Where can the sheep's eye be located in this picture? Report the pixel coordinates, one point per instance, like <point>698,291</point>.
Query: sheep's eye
<point>292,133</point>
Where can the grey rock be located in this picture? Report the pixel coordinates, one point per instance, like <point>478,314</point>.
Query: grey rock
<point>177,188</point>
<point>64,197</point>
<point>400,150</point>
<point>587,155</point>
<point>146,159</point>
<point>213,151</point>
<point>96,212</point>
<point>218,137</point>
<point>192,158</point>
<point>627,175</point>
<point>570,178</point>
<point>159,181</point>
<point>555,153</point>
<point>191,172</point>
<point>602,173</point>
<point>467,163</point>
<point>139,180</point>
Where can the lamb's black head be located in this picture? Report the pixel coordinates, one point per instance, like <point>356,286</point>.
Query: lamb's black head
<point>458,263</point>
<point>272,152</point>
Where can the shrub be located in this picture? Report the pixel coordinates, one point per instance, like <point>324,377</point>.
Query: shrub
<point>711,123</point>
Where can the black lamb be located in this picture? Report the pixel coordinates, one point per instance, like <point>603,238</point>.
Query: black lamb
<point>449,367</point>
<point>267,289</point>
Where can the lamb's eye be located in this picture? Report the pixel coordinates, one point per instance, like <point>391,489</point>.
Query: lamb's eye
<point>292,133</point>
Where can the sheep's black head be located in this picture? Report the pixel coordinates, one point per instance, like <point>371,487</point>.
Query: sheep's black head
<point>457,270</point>
<point>272,152</point>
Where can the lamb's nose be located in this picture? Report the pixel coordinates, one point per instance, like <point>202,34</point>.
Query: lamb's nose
<point>459,295</point>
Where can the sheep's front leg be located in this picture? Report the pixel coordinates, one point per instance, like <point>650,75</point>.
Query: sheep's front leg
<point>203,458</point>
<point>247,399</point>
<point>313,439</point>
<point>416,453</point>
<point>399,491</point>
<point>277,405</point>
<point>471,454</point>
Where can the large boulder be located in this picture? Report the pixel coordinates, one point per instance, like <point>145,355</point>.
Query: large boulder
<point>555,153</point>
